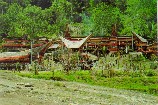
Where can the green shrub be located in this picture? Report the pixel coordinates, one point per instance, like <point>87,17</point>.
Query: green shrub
<point>153,57</point>
<point>141,58</point>
<point>153,65</point>
<point>59,84</point>
<point>150,73</point>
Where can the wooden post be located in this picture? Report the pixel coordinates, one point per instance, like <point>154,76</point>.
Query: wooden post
<point>52,61</point>
<point>126,49</point>
<point>132,42</point>
<point>31,53</point>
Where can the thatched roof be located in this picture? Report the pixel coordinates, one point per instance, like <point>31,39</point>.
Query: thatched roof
<point>74,44</point>
<point>53,46</point>
<point>140,38</point>
<point>10,54</point>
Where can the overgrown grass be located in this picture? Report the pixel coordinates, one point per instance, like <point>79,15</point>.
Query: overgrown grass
<point>132,81</point>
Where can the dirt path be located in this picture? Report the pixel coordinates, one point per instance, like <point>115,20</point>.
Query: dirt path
<point>15,90</point>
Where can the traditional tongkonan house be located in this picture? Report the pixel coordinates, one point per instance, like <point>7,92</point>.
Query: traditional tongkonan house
<point>9,59</point>
<point>140,42</point>
<point>75,44</point>
<point>21,44</point>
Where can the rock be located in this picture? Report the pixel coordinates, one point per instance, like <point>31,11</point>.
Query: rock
<point>7,91</point>
<point>28,85</point>
<point>20,83</point>
<point>18,87</point>
<point>72,104</point>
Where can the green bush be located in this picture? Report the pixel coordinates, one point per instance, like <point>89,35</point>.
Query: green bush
<point>59,84</point>
<point>139,58</point>
<point>153,65</point>
<point>153,57</point>
<point>150,73</point>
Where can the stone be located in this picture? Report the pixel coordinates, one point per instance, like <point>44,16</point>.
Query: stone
<point>28,85</point>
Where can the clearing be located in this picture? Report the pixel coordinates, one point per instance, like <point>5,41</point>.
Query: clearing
<point>16,90</point>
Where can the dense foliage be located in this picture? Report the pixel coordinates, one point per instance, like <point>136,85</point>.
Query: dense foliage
<point>48,18</point>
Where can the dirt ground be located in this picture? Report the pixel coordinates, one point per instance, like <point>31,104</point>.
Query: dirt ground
<point>15,90</point>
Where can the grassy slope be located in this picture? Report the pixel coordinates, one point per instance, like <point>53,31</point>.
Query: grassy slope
<point>144,84</point>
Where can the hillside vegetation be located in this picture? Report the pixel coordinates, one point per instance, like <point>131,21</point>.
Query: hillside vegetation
<point>48,18</point>
<point>138,73</point>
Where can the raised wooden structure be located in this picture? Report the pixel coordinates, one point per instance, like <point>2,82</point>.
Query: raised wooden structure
<point>116,43</point>
<point>10,58</point>
<point>94,45</point>
<point>21,44</point>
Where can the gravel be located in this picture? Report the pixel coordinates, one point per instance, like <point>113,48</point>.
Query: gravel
<point>15,90</point>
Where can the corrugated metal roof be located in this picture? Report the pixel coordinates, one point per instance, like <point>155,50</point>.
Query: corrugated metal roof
<point>74,44</point>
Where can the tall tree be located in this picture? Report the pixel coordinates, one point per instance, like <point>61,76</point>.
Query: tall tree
<point>60,15</point>
<point>31,20</point>
<point>3,6</point>
<point>140,16</point>
<point>42,3</point>
<point>103,16</point>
